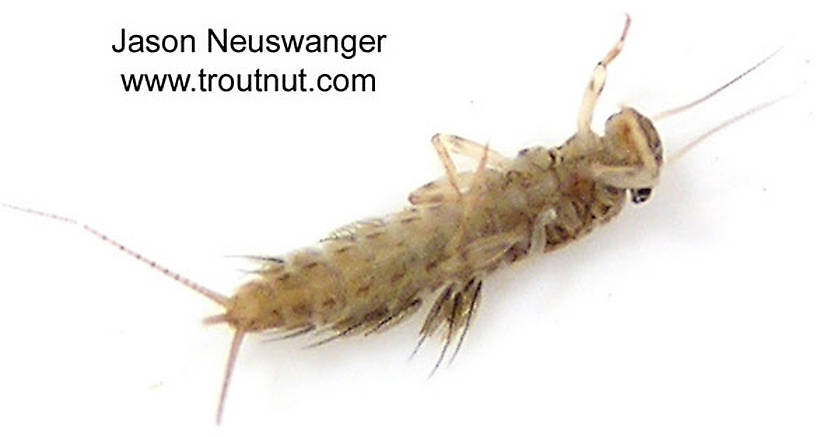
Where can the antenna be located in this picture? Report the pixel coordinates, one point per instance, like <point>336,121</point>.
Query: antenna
<point>685,149</point>
<point>681,108</point>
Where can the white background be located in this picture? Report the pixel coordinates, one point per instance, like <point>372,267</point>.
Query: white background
<point>692,314</point>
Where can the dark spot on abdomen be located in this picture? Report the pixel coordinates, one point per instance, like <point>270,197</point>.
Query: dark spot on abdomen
<point>303,309</point>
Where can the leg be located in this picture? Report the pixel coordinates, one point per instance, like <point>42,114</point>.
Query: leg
<point>472,149</point>
<point>455,184</point>
<point>628,136</point>
<point>447,162</point>
<point>441,190</point>
<point>620,176</point>
<point>469,201</point>
<point>538,240</point>
<point>596,84</point>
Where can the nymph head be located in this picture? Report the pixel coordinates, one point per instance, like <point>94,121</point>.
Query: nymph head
<point>637,154</point>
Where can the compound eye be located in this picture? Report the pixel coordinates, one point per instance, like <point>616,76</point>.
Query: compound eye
<point>640,195</point>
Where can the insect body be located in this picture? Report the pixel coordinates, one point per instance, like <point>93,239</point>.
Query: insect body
<point>371,274</point>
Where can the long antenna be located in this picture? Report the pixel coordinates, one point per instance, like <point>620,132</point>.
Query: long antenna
<point>200,289</point>
<point>682,108</point>
<point>685,149</point>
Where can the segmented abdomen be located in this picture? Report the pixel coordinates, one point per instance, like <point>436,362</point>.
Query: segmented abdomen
<point>361,276</point>
<point>370,274</point>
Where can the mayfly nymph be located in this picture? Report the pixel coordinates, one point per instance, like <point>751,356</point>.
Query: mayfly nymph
<point>372,274</point>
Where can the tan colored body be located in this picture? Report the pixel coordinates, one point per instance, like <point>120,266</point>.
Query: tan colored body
<point>366,274</point>
<point>371,274</point>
